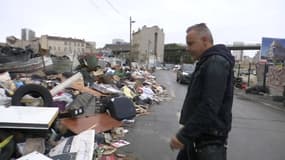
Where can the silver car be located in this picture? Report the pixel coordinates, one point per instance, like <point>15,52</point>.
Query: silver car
<point>184,73</point>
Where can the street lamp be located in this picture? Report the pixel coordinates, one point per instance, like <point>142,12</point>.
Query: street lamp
<point>131,22</point>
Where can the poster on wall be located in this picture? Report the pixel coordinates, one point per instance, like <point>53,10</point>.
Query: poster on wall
<point>273,49</point>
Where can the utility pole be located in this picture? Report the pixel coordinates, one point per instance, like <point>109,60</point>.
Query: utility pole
<point>248,78</point>
<point>131,21</point>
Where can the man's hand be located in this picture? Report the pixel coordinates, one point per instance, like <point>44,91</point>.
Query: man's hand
<point>176,144</point>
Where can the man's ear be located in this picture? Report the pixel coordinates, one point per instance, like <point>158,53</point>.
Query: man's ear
<point>205,39</point>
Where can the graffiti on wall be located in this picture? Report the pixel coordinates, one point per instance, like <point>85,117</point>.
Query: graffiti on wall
<point>275,79</point>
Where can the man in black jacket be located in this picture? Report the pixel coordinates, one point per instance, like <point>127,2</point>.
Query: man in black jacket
<point>206,115</point>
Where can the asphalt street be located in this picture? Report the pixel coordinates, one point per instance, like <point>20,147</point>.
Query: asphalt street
<point>257,131</point>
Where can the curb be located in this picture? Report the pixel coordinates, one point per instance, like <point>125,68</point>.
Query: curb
<point>261,100</point>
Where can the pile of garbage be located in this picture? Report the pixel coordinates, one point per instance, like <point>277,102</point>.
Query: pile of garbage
<point>82,113</point>
<point>12,54</point>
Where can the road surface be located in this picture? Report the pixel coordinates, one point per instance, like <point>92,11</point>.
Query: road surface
<point>258,131</point>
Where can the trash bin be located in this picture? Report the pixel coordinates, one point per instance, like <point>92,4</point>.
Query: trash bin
<point>92,61</point>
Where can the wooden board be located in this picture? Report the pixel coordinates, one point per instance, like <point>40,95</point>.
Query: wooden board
<point>99,122</point>
<point>79,85</point>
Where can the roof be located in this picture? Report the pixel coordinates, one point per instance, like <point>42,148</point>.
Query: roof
<point>118,47</point>
<point>65,39</point>
<point>3,44</point>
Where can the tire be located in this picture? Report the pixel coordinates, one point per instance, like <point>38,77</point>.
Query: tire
<point>7,152</point>
<point>32,89</point>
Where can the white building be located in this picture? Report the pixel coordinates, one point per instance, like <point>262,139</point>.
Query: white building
<point>256,57</point>
<point>238,54</point>
<point>61,46</point>
<point>15,42</point>
<point>118,41</point>
<point>148,45</point>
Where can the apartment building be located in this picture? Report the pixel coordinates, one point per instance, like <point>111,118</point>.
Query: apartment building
<point>28,34</point>
<point>60,46</point>
<point>148,45</point>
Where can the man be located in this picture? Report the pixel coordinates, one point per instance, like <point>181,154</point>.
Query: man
<point>206,114</point>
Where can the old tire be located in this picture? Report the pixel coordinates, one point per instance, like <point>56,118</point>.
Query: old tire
<point>34,90</point>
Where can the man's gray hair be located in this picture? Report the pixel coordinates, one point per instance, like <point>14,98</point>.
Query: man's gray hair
<point>202,30</point>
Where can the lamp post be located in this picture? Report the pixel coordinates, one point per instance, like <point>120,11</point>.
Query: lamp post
<point>131,22</point>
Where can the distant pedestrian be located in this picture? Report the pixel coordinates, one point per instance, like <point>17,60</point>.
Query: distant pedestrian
<point>206,114</point>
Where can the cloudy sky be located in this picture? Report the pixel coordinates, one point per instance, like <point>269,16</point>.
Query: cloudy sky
<point>103,20</point>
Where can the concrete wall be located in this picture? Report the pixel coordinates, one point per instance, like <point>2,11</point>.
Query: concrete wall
<point>275,78</point>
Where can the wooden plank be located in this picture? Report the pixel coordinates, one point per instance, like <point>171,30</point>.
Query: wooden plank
<point>79,85</point>
<point>99,122</point>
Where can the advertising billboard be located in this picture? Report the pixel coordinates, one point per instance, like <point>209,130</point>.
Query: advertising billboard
<point>273,49</point>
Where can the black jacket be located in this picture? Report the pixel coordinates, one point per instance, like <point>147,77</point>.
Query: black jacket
<point>207,107</point>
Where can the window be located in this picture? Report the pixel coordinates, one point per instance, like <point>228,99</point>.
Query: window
<point>65,43</point>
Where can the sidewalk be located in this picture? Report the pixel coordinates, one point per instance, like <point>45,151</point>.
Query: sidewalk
<point>262,99</point>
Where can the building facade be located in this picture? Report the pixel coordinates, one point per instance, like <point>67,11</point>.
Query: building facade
<point>27,34</point>
<point>15,42</point>
<point>61,46</point>
<point>90,47</point>
<point>118,41</point>
<point>148,45</point>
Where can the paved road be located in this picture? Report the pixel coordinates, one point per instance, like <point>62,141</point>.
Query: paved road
<point>258,131</point>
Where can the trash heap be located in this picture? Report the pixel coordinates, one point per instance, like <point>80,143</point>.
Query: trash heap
<point>84,114</point>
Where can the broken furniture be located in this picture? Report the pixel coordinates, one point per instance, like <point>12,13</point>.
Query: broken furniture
<point>100,122</point>
<point>23,117</point>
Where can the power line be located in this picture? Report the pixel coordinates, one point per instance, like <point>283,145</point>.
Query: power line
<point>94,4</point>
<point>112,6</point>
<point>115,9</point>
<point>99,9</point>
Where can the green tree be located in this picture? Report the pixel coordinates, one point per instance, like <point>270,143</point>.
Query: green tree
<point>176,54</point>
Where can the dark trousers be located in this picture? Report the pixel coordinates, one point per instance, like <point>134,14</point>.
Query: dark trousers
<point>207,152</point>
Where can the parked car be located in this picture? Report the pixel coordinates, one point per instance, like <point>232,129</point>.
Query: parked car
<point>168,66</point>
<point>184,73</point>
<point>176,67</point>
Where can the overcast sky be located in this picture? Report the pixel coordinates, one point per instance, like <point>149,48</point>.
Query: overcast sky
<point>103,20</point>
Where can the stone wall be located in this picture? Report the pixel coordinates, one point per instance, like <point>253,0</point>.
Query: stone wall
<point>275,79</point>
